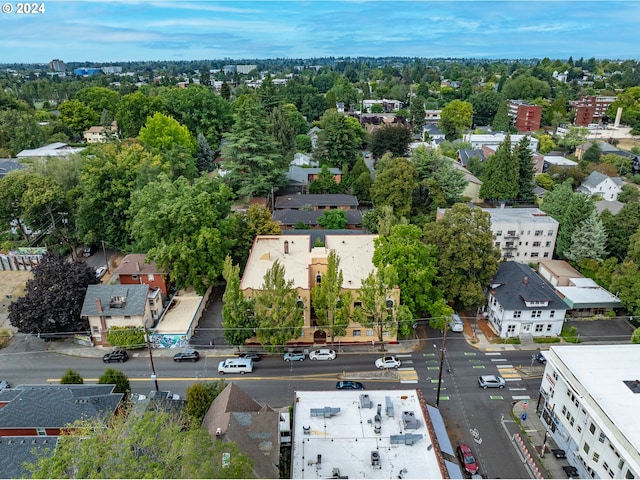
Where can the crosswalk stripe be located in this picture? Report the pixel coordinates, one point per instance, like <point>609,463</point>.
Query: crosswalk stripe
<point>521,397</point>
<point>492,353</point>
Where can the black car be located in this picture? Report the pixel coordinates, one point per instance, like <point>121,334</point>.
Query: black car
<point>115,356</point>
<point>349,385</point>
<point>187,355</point>
<point>250,355</point>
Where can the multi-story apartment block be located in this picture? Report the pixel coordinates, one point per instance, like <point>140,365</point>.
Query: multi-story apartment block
<point>523,234</point>
<point>525,117</point>
<point>590,399</point>
<point>590,109</point>
<point>493,140</point>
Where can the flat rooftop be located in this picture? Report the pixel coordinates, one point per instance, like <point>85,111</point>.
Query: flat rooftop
<point>602,371</point>
<point>179,316</point>
<point>338,434</point>
<point>519,214</point>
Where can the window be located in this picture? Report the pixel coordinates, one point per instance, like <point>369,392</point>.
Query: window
<point>534,254</point>
<point>517,314</point>
<point>511,232</point>
<point>536,244</point>
<point>511,329</point>
<point>592,428</point>
<point>596,457</point>
<point>370,332</point>
<point>586,447</point>
<point>318,279</point>
<point>552,313</point>
<point>564,410</point>
<point>539,327</point>
<point>549,327</point>
<point>497,244</point>
<point>550,233</point>
<point>546,255</point>
<point>536,313</point>
<point>357,304</point>
<point>135,277</point>
<point>41,431</point>
<point>602,437</point>
<point>151,277</point>
<point>548,244</point>
<point>95,329</point>
<point>127,317</point>
<point>579,428</point>
<point>538,233</point>
<point>356,333</point>
<point>499,233</point>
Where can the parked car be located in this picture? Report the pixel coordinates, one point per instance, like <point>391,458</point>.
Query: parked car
<point>491,381</point>
<point>115,356</point>
<point>541,358</point>
<point>100,271</point>
<point>294,356</point>
<point>349,385</point>
<point>388,362</point>
<point>4,384</point>
<point>187,355</point>
<point>456,324</point>
<point>251,355</point>
<point>467,459</point>
<point>322,354</point>
<point>87,251</point>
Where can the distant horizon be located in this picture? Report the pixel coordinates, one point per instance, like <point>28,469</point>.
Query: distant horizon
<point>118,31</point>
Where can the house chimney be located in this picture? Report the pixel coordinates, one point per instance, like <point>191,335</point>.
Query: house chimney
<point>137,266</point>
<point>99,305</point>
<point>525,280</point>
<point>286,247</point>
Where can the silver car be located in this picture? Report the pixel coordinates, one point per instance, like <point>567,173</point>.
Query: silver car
<point>491,381</point>
<point>322,354</point>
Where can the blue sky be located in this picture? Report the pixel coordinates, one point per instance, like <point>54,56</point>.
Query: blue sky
<point>122,30</point>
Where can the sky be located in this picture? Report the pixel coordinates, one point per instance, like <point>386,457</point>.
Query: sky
<point>130,30</point>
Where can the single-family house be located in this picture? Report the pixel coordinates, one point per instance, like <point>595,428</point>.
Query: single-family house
<point>290,219</point>
<point>431,132</point>
<point>107,306</point>
<point>557,161</point>
<point>303,160</point>
<point>236,417</point>
<point>303,177</point>
<point>101,134</point>
<point>7,165</point>
<point>472,189</point>
<point>466,154</point>
<point>305,265</point>
<point>313,135</point>
<point>134,270</point>
<point>520,303</point>
<point>601,185</point>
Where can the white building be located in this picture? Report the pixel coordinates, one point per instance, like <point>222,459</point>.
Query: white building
<point>520,303</point>
<point>493,140</point>
<point>591,397</point>
<point>523,234</point>
<point>601,185</point>
<point>369,434</point>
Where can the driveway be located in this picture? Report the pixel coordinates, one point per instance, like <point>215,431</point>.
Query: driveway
<point>617,330</point>
<point>209,332</point>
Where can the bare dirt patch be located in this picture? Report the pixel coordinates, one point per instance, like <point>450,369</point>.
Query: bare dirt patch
<point>12,285</point>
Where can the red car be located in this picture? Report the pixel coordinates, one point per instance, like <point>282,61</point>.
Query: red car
<point>468,460</point>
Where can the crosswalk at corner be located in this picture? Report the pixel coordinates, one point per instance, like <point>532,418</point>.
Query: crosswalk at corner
<point>509,373</point>
<point>407,374</point>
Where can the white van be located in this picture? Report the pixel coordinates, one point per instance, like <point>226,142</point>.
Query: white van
<point>456,324</point>
<point>235,365</point>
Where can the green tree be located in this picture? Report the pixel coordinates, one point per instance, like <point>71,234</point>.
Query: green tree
<point>199,399</point>
<point>526,171</point>
<point>282,131</point>
<point>333,220</point>
<point>589,240</point>
<point>467,257</point>
<point>331,304</point>
<point>278,315</point>
<point>545,144</point>
<point>77,116</point>
<point>417,114</point>
<point>337,142</point>
<point>415,264</point>
<point>576,211</point>
<point>574,137</point>
<point>394,185</point>
<point>545,181</point>
<point>257,220</point>
<point>204,155</point>
<point>161,132</point>
<point>635,336</point>
<point>455,118</point>
<point>155,444</point>
<point>501,121</point>
<point>251,157</point>
<point>325,182</point>
<point>133,111</point>
<point>525,87</point>
<point>183,227</point>
<point>620,228</point>
<point>381,220</point>
<point>71,377</point>
<point>378,312</point>
<point>303,143</point>
<point>593,153</point>
<point>99,99</point>
<point>500,174</point>
<point>238,320</point>
<point>390,138</point>
<point>111,376</point>
<point>625,281</point>
<point>485,105</point>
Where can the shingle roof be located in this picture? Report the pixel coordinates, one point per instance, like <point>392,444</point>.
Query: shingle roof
<point>135,263</point>
<point>54,406</point>
<point>8,165</point>
<point>316,200</point>
<point>292,217</point>
<point>516,283</point>
<point>15,451</point>
<point>135,304</point>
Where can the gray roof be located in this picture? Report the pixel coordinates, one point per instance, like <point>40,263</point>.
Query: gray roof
<point>516,283</point>
<point>291,217</point>
<point>135,304</point>
<point>316,200</point>
<point>15,451</point>
<point>596,178</point>
<point>8,165</point>
<point>464,154</point>
<point>54,406</point>
<point>432,129</point>
<point>612,206</point>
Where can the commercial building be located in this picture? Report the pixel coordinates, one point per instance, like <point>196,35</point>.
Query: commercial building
<point>590,397</point>
<point>377,434</point>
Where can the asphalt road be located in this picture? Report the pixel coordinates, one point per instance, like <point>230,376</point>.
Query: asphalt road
<point>480,418</point>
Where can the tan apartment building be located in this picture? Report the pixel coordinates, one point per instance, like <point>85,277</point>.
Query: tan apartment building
<point>305,265</point>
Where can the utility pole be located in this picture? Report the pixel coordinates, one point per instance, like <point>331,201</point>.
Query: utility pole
<point>444,345</point>
<point>153,368</point>
<point>106,260</point>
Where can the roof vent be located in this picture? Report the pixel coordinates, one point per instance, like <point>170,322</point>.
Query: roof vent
<point>410,421</point>
<point>375,459</point>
